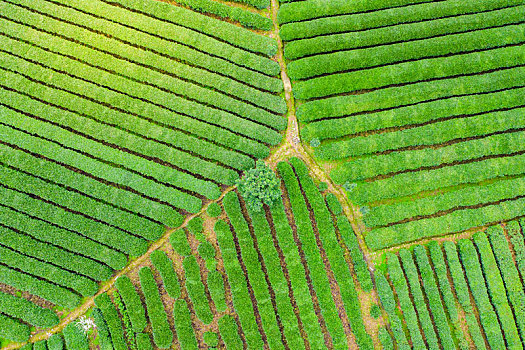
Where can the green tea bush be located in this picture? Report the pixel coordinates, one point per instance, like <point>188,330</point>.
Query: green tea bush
<point>13,330</point>
<point>169,277</point>
<point>134,308</point>
<point>75,337</point>
<point>26,311</point>
<point>115,326</point>
<point>214,210</point>
<point>183,326</point>
<point>55,342</point>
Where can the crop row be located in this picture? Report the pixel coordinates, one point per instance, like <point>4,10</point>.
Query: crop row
<point>134,143</point>
<point>111,317</point>
<point>474,195</point>
<point>254,270</point>
<point>449,301</point>
<point>45,270</point>
<point>58,236</point>
<point>75,338</point>
<point>13,330</point>
<point>410,72</point>
<point>162,334</point>
<point>497,292</point>
<point>475,172</point>
<point>403,32</point>
<point>395,272</point>
<point>53,255</point>
<point>164,265</point>
<point>277,278</point>
<point>229,334</point>
<point>509,273</point>
<point>71,54</point>
<point>400,161</point>
<point>312,254</point>
<point>399,96</point>
<point>477,125</point>
<point>103,335</point>
<point>134,93</point>
<point>196,290</point>
<point>99,232</point>
<point>456,221</point>
<point>207,119</point>
<point>25,310</point>
<point>376,56</point>
<point>476,281</point>
<point>301,11</point>
<point>63,176</point>
<point>239,288</point>
<point>131,163</point>
<point>183,327</point>
<point>46,290</point>
<point>434,299</point>
<point>358,261</point>
<point>296,274</point>
<point>215,284</point>
<point>389,17</point>
<point>412,276</point>
<point>175,33</point>
<point>516,239</point>
<point>386,296</point>
<point>334,253</point>
<point>237,14</point>
<point>143,341</point>
<point>74,158</point>
<point>133,303</point>
<point>76,202</point>
<point>232,34</point>
<point>462,292</point>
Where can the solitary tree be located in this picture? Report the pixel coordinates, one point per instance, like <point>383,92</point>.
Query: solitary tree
<point>259,185</point>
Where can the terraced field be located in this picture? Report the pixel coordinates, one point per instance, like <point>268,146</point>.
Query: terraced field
<point>395,130</point>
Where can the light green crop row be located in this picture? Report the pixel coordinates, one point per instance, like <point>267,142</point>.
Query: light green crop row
<point>75,338</point>
<point>240,294</point>
<point>253,266</point>
<point>53,255</point>
<point>111,316</point>
<point>76,202</point>
<point>363,58</point>
<point>13,330</point>
<point>399,96</point>
<point>410,72</point>
<point>215,284</point>
<point>277,278</point>
<point>434,299</point>
<point>400,161</point>
<point>81,284</point>
<point>134,308</point>
<point>164,265</point>
<point>183,327</point>
<point>162,334</point>
<point>310,9</point>
<point>396,186</point>
<point>170,31</point>
<point>196,290</point>
<point>72,180</point>
<point>335,255</point>
<point>25,310</point>
<point>296,274</point>
<point>509,273</point>
<point>386,296</point>
<point>456,221</point>
<point>469,196</point>
<point>312,254</point>
<point>397,15</point>
<point>497,291</point>
<point>476,281</point>
<point>116,239</point>
<point>397,276</point>
<point>515,234</point>
<point>229,334</point>
<point>462,292</point>
<point>205,24</point>
<point>440,132</point>
<point>60,237</point>
<point>44,289</point>
<point>420,304</point>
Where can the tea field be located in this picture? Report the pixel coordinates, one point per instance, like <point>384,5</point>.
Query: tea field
<point>392,133</point>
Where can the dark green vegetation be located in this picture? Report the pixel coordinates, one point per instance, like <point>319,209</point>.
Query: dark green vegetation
<point>417,103</point>
<point>259,186</point>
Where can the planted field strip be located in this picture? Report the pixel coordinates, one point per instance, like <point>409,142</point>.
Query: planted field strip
<point>485,293</point>
<point>416,93</point>
<point>403,17</point>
